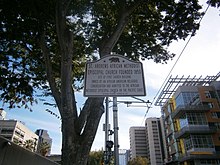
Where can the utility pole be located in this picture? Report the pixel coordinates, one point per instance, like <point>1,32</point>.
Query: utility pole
<point>115,123</point>
<point>108,144</point>
<point>106,121</point>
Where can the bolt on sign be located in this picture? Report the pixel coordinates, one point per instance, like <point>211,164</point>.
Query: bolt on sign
<point>114,76</point>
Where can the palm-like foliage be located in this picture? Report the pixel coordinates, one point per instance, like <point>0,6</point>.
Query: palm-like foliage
<point>43,148</point>
<point>29,144</point>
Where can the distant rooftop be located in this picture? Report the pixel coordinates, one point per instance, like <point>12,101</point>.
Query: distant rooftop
<point>174,82</point>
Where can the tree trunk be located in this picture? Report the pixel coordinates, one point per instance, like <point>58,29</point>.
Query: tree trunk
<point>78,131</point>
<point>76,146</point>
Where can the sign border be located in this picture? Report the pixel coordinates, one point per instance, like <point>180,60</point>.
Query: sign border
<point>112,95</point>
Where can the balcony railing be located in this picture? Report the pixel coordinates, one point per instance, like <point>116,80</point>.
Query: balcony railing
<point>189,108</point>
<point>195,129</point>
<point>200,156</point>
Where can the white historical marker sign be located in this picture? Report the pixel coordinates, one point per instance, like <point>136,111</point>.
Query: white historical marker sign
<point>114,75</point>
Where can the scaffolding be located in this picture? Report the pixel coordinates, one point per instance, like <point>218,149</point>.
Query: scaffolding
<point>174,82</point>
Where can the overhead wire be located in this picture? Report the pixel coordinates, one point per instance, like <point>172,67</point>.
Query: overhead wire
<point>151,103</point>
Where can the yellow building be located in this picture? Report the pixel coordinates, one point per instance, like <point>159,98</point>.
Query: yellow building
<point>191,112</point>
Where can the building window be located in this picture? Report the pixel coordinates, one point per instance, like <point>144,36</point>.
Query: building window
<point>19,132</point>
<point>214,115</point>
<point>183,121</point>
<point>196,118</point>
<point>188,143</point>
<point>217,125</point>
<point>207,94</point>
<point>7,131</point>
<point>209,162</point>
<point>218,93</point>
<point>169,108</point>
<point>185,98</point>
<point>210,105</point>
<point>198,141</point>
<point>192,119</point>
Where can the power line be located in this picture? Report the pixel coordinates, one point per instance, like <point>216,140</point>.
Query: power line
<point>174,65</point>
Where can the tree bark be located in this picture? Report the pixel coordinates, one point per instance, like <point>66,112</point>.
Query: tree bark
<point>78,132</point>
<point>78,144</point>
<point>67,106</point>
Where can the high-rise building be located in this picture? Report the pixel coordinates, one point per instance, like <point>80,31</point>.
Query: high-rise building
<point>18,133</point>
<point>2,114</point>
<point>138,144</point>
<point>124,156</point>
<point>44,141</point>
<point>148,141</point>
<point>191,112</point>
<point>155,152</point>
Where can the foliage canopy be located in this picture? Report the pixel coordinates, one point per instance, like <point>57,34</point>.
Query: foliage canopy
<point>44,45</point>
<point>138,161</point>
<point>145,30</point>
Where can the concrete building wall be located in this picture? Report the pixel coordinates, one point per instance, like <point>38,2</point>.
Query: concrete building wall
<point>138,144</point>
<point>2,114</point>
<point>154,141</point>
<point>12,154</point>
<point>17,132</point>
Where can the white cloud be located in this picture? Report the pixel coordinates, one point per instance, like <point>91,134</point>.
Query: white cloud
<point>201,57</point>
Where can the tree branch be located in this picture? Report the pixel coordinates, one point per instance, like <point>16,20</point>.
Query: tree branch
<point>109,43</point>
<point>92,106</point>
<point>65,39</point>
<point>81,120</point>
<point>48,65</point>
<point>93,118</point>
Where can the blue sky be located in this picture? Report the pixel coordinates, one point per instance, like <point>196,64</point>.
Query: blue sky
<point>200,58</point>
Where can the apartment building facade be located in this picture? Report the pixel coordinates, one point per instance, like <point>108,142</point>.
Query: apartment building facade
<point>148,141</point>
<point>191,112</point>
<point>138,143</point>
<point>18,133</point>
<point>155,149</point>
